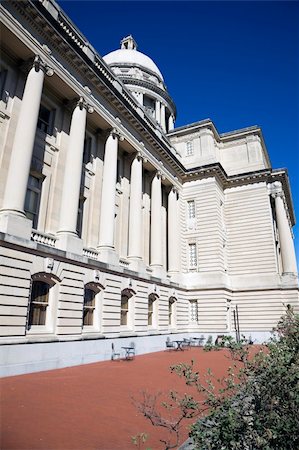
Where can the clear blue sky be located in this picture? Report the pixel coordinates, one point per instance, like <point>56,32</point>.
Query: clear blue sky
<point>234,62</point>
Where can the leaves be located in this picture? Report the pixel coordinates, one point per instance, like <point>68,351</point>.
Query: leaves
<point>256,406</point>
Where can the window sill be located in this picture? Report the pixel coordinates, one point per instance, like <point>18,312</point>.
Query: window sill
<point>38,330</point>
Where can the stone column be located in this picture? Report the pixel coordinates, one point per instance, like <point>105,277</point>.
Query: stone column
<point>173,233</point>
<point>135,215</point>
<point>156,225</point>
<point>163,119</point>
<point>285,236</point>
<point>170,123</point>
<point>106,240</point>
<point>13,220</point>
<point>67,234</point>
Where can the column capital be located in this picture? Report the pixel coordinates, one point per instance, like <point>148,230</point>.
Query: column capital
<point>275,189</point>
<point>140,156</point>
<point>115,133</point>
<point>38,64</point>
<point>159,174</point>
<point>82,103</point>
<point>174,189</point>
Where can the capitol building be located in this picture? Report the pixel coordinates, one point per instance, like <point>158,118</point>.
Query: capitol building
<point>115,225</point>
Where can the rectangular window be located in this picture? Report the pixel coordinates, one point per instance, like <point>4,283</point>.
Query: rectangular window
<point>150,311</point>
<point>88,306</point>
<point>80,215</point>
<point>171,305</point>
<point>193,311</point>
<point>189,148</point>
<point>124,310</point>
<point>192,255</point>
<point>44,119</point>
<point>149,105</point>
<point>191,209</point>
<point>32,199</point>
<point>87,150</point>
<point>39,301</point>
<point>3,77</point>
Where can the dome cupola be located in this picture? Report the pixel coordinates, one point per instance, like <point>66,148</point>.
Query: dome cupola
<point>143,78</point>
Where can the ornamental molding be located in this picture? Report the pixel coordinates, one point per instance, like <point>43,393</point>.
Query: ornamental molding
<point>37,63</point>
<point>151,87</point>
<point>45,22</point>
<point>275,189</point>
<point>83,104</point>
<point>116,134</point>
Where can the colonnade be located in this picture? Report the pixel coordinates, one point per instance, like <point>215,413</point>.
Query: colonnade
<point>67,237</point>
<point>287,249</point>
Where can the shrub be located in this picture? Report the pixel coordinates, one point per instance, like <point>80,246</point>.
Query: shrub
<point>255,409</point>
<point>263,412</point>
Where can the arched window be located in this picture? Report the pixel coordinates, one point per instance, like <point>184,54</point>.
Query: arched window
<point>88,306</point>
<point>91,306</point>
<point>125,307</point>
<point>152,310</point>
<point>39,302</point>
<point>171,311</point>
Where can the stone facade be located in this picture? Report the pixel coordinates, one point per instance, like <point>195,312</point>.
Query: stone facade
<point>114,225</point>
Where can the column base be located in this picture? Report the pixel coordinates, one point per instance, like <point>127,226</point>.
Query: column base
<point>69,243</point>
<point>174,276</point>
<point>108,255</point>
<point>289,279</point>
<point>137,264</point>
<point>158,271</point>
<point>16,225</point>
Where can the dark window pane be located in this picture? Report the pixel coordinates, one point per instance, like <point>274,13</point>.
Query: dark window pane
<point>38,303</point>
<point>44,116</point>
<point>88,306</point>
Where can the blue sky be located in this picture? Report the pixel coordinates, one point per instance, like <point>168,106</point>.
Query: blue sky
<point>234,62</point>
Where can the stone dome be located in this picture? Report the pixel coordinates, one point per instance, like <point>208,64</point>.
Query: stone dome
<point>128,55</point>
<point>144,80</point>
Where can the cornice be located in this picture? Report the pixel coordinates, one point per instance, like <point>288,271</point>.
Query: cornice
<point>83,58</point>
<point>152,87</point>
<point>228,181</point>
<point>71,45</point>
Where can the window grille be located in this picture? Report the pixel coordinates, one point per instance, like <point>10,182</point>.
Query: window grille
<point>192,255</point>
<point>193,311</point>
<point>189,148</point>
<point>191,209</point>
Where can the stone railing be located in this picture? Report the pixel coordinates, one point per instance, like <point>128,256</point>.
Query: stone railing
<point>43,238</point>
<point>89,253</point>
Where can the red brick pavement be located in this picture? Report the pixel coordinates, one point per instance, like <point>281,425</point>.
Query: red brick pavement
<point>90,407</point>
